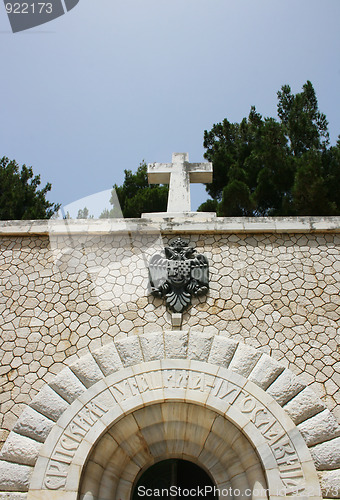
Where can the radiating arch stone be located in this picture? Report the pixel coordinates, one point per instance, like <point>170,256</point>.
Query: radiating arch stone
<point>279,383</point>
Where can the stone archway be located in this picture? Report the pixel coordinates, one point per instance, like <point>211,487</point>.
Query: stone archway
<point>261,424</point>
<point>172,430</point>
<point>280,418</point>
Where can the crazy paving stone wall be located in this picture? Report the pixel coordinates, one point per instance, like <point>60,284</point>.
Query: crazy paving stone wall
<point>61,297</point>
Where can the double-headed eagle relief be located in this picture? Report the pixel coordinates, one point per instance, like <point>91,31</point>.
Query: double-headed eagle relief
<point>178,273</point>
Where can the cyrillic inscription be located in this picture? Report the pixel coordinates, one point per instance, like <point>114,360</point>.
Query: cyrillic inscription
<point>57,469</point>
<point>288,462</point>
<point>289,466</point>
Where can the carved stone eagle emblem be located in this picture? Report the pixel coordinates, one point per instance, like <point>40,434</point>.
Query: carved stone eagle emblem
<point>178,273</point>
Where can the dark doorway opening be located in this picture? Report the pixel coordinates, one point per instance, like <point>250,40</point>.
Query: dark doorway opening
<point>173,478</point>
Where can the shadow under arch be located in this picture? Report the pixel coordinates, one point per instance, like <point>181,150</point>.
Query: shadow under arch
<point>173,475</point>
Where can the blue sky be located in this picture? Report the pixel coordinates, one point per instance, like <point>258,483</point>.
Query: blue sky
<point>114,82</point>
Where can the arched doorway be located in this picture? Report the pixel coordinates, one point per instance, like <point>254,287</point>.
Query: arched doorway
<point>174,443</point>
<point>173,476</point>
<point>173,409</point>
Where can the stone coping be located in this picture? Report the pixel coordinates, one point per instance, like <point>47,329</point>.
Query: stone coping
<point>224,225</point>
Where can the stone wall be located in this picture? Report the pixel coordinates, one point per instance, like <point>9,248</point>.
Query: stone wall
<point>67,290</point>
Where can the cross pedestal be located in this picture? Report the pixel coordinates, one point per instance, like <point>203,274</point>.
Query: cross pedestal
<point>179,174</point>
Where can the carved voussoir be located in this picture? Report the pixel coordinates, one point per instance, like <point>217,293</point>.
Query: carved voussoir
<point>319,428</point>
<point>199,345</point>
<point>108,359</point>
<point>244,359</point>
<point>129,350</point>
<point>49,403</point>
<point>67,385</point>
<point>87,370</point>
<point>14,477</point>
<point>265,371</point>
<point>20,449</point>
<point>222,351</point>
<point>152,345</point>
<point>330,483</point>
<point>327,455</point>
<point>285,387</point>
<point>304,405</point>
<point>176,344</point>
<point>33,424</point>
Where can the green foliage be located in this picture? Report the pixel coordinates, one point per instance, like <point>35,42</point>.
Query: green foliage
<point>302,122</point>
<point>208,206</point>
<point>310,191</point>
<point>136,196</point>
<point>265,167</point>
<point>83,213</point>
<point>114,213</point>
<point>20,198</point>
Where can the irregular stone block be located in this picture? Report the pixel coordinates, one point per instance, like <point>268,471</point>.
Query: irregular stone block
<point>319,428</point>
<point>67,385</point>
<point>222,351</point>
<point>285,387</point>
<point>152,346</point>
<point>330,483</point>
<point>108,359</point>
<point>176,344</point>
<point>304,405</point>
<point>327,455</point>
<point>87,370</point>
<point>14,477</point>
<point>33,425</point>
<point>199,346</point>
<point>265,371</point>
<point>129,350</point>
<point>49,403</point>
<point>244,359</point>
<point>20,449</point>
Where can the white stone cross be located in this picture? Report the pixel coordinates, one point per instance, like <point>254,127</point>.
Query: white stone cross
<point>179,174</point>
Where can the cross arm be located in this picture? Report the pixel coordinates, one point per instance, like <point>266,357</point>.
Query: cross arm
<point>201,172</point>
<point>159,173</point>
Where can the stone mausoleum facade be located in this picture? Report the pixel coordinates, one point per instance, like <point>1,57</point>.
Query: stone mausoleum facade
<point>100,380</point>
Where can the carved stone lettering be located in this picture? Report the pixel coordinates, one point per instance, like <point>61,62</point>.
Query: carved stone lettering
<point>155,380</point>
<point>119,391</point>
<point>182,379</point>
<point>56,475</point>
<point>78,427</point>
<point>143,383</point>
<point>133,386</point>
<point>261,418</point>
<point>284,452</point>
<point>227,392</point>
<point>94,411</point>
<point>197,381</point>
<point>273,433</point>
<point>247,404</point>
<point>168,378</point>
<point>289,466</point>
<point>69,442</point>
<point>61,455</point>
<point>286,456</point>
<point>149,381</point>
<point>294,486</point>
<point>176,379</point>
<point>125,389</point>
